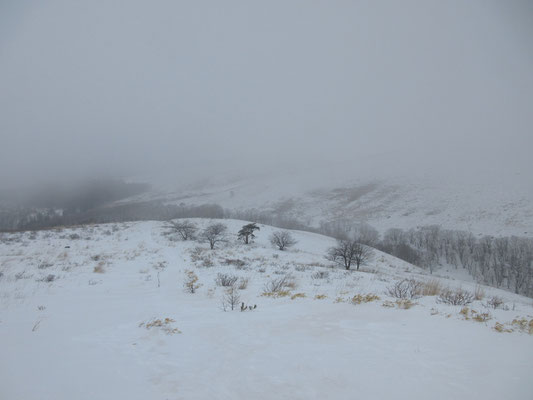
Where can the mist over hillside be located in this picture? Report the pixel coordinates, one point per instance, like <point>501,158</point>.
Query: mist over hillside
<point>255,200</point>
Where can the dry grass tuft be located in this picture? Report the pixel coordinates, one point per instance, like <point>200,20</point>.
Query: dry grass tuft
<point>479,293</point>
<point>165,325</point>
<point>405,304</point>
<point>432,287</point>
<point>99,269</point>
<point>364,298</point>
<point>523,325</point>
<point>297,296</point>
<point>277,294</point>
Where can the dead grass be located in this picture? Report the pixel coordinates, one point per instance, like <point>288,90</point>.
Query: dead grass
<point>432,287</point>
<point>479,293</point>
<point>278,294</point>
<point>364,298</point>
<point>165,325</point>
<point>298,296</point>
<point>99,269</point>
<point>523,325</point>
<point>243,283</point>
<point>404,304</point>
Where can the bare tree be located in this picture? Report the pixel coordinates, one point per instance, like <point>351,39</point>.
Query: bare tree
<point>282,240</point>
<point>231,299</point>
<point>348,252</point>
<point>213,234</point>
<point>185,229</point>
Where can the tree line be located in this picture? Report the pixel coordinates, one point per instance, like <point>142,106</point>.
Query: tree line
<point>503,262</point>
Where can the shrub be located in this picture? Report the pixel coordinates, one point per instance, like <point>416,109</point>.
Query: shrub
<point>458,297</point>
<point>495,302</point>
<point>191,284</point>
<point>279,284</point>
<point>479,293</point>
<point>320,297</point>
<point>320,275</point>
<point>45,265</point>
<point>481,317</point>
<point>404,304</point>
<point>282,240</point>
<point>235,261</point>
<point>523,325</point>
<point>48,278</point>
<point>405,289</point>
<point>99,269</point>
<point>243,283</point>
<point>297,295</point>
<point>226,280</point>
<point>231,299</point>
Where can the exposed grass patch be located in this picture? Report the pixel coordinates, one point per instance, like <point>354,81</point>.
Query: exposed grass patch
<point>280,293</point>
<point>364,298</point>
<point>298,296</point>
<point>165,325</point>
<point>432,287</point>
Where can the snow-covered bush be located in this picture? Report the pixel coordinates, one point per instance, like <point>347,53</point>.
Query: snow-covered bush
<point>226,280</point>
<point>496,302</point>
<point>458,297</point>
<point>405,289</point>
<point>277,285</point>
<point>282,240</point>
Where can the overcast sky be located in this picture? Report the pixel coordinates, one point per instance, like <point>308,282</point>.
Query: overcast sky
<point>89,88</point>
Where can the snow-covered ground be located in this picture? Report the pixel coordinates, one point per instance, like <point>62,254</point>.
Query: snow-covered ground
<point>495,207</point>
<point>92,332</point>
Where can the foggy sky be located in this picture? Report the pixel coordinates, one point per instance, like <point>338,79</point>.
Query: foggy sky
<point>123,88</point>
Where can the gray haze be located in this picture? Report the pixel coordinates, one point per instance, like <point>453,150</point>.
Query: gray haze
<point>131,88</point>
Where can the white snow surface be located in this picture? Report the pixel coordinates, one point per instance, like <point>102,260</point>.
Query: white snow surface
<point>495,207</point>
<point>79,336</point>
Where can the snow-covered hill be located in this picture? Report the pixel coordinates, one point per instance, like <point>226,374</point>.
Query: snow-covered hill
<point>101,312</point>
<point>496,207</point>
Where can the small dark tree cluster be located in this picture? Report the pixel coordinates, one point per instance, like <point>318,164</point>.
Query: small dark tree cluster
<point>348,252</point>
<point>246,234</point>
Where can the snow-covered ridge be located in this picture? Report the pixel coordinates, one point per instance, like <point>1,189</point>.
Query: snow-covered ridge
<point>102,312</point>
<point>493,208</point>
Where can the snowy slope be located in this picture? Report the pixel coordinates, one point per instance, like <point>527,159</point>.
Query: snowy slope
<point>489,207</point>
<point>84,335</point>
